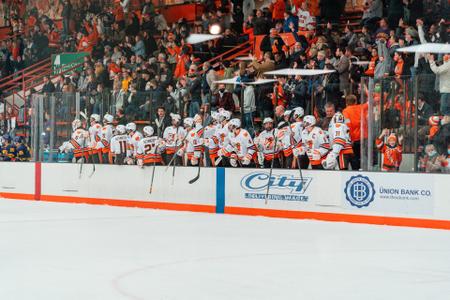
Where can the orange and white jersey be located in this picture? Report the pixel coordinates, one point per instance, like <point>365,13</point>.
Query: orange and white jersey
<point>339,137</point>
<point>94,134</point>
<point>316,145</point>
<point>133,142</point>
<point>173,136</point>
<point>194,143</point>
<point>106,134</point>
<point>149,149</point>
<point>78,143</point>
<point>265,142</point>
<point>242,144</point>
<point>210,139</point>
<point>222,135</point>
<point>120,145</point>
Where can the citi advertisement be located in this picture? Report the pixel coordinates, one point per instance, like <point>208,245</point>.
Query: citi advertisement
<point>400,193</point>
<point>276,187</point>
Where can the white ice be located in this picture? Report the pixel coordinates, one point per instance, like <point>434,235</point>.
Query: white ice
<point>67,251</point>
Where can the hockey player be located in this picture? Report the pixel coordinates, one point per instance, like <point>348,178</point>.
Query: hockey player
<point>265,142</point>
<point>78,143</point>
<point>240,149</point>
<point>94,137</point>
<point>314,142</point>
<point>134,137</point>
<point>120,147</point>
<point>210,140</point>
<point>149,148</point>
<point>106,134</point>
<point>285,137</point>
<point>22,151</point>
<point>8,149</point>
<point>193,144</point>
<point>174,137</point>
<point>392,151</point>
<point>297,129</point>
<point>340,143</point>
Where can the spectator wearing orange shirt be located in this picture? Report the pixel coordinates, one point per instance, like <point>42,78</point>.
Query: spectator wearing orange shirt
<point>353,114</point>
<point>277,7</point>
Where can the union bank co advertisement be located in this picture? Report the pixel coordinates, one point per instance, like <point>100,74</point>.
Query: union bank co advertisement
<point>388,192</point>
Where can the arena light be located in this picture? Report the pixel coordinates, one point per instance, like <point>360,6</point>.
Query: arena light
<point>195,38</point>
<point>215,28</point>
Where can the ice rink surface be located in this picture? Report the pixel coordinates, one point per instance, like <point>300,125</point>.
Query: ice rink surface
<point>67,251</point>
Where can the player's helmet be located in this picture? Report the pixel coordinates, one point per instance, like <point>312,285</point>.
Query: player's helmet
<point>188,122</point>
<point>18,139</point>
<point>108,119</point>
<point>7,137</point>
<point>197,119</point>
<point>267,120</point>
<point>226,115</point>
<point>121,129</point>
<point>338,118</point>
<point>76,124</point>
<point>299,112</point>
<point>95,118</point>
<point>309,121</point>
<point>148,131</point>
<point>235,123</point>
<point>175,117</point>
<point>131,127</point>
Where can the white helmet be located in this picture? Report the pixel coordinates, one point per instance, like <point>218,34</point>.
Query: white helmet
<point>131,126</point>
<point>108,119</point>
<point>198,119</point>
<point>175,117</point>
<point>267,120</point>
<point>299,112</point>
<point>236,123</point>
<point>287,113</point>
<point>338,118</point>
<point>215,116</point>
<point>148,130</point>
<point>76,124</point>
<point>309,121</point>
<point>121,129</point>
<point>226,115</point>
<point>95,117</point>
<point>188,122</point>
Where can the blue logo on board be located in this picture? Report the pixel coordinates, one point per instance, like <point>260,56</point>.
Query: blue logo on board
<point>282,187</point>
<point>359,191</point>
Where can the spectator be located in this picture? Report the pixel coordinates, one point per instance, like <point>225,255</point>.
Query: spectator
<point>161,122</point>
<point>48,86</point>
<point>444,81</point>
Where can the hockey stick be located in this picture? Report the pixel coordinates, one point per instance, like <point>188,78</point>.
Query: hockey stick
<point>174,164</point>
<point>271,166</point>
<point>298,157</point>
<point>153,171</point>
<point>199,165</point>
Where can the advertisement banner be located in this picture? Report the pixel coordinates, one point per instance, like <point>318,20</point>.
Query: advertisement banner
<point>65,61</point>
<point>288,189</point>
<point>388,193</point>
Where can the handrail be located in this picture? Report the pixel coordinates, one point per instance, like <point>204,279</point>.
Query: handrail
<point>14,77</point>
<point>234,52</point>
<point>220,56</point>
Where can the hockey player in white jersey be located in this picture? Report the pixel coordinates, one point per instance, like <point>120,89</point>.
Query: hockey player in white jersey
<point>120,147</point>
<point>297,129</point>
<point>174,138</point>
<point>134,137</point>
<point>265,142</point>
<point>241,150</point>
<point>78,143</point>
<point>106,133</point>
<point>193,144</point>
<point>150,148</point>
<point>94,136</point>
<point>210,140</point>
<point>315,142</point>
<point>285,137</point>
<point>340,143</point>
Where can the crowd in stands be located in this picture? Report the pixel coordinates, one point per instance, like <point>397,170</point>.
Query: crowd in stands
<point>139,63</point>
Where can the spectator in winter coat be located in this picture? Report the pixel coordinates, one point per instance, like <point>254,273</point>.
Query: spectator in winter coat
<point>343,67</point>
<point>267,65</point>
<point>224,99</point>
<point>444,81</point>
<point>288,19</point>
